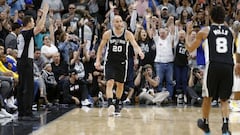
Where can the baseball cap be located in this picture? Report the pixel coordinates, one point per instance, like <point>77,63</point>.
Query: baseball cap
<point>164,8</point>
<point>72,71</point>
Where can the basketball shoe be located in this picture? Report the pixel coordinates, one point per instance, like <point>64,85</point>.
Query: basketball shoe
<point>203,126</point>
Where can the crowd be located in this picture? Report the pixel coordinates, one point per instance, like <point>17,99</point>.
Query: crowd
<point>65,50</point>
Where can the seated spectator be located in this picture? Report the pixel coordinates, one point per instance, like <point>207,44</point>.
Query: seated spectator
<point>50,82</point>
<point>3,69</point>
<point>38,59</point>
<point>6,94</point>
<point>147,84</point>
<point>75,91</point>
<point>40,85</point>
<point>60,70</point>
<point>12,58</point>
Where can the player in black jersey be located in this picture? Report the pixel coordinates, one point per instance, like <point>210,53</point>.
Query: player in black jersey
<point>218,76</point>
<point>115,70</point>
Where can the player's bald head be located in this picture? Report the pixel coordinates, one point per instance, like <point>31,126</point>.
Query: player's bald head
<point>117,18</point>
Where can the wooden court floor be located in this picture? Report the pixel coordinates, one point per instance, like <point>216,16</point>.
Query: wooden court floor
<point>151,120</point>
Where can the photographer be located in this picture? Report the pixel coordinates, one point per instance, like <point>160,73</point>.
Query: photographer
<point>194,89</point>
<point>147,83</point>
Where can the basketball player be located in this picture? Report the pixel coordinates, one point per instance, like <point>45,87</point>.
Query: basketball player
<point>116,64</point>
<point>218,76</point>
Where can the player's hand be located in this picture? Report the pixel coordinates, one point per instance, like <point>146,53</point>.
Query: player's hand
<point>97,65</point>
<point>237,69</point>
<point>141,54</point>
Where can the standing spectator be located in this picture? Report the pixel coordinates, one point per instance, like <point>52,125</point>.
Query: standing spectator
<point>16,5</point>
<point>164,54</point>
<point>25,65</point>
<point>147,45</point>
<point>67,45</point>
<point>185,5</point>
<point>71,18</point>
<point>171,9</point>
<point>55,6</point>
<point>181,63</point>
<point>49,48</point>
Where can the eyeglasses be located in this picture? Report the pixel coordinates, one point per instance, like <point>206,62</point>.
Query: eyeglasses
<point>71,8</point>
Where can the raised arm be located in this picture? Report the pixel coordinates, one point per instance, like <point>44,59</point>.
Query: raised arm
<point>201,35</point>
<point>41,23</point>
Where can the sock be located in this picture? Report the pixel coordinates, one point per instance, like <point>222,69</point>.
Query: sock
<point>225,120</point>
<point>117,102</point>
<point>205,121</point>
<point>225,125</point>
<point>110,101</point>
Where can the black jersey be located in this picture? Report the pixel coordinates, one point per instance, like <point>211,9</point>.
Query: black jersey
<point>117,48</point>
<point>220,45</point>
<point>181,56</point>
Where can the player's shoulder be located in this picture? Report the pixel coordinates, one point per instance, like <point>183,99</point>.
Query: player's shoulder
<point>107,33</point>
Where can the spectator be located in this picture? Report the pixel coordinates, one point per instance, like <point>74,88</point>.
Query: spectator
<point>60,70</point>
<point>38,59</point>
<point>11,39</point>
<point>181,63</point>
<point>164,55</point>
<point>50,82</point>
<point>15,5</point>
<point>147,84</point>
<point>55,6</point>
<point>71,18</point>
<point>75,90</point>
<point>185,5</point>
<point>48,48</point>
<point>194,89</point>
<point>171,9</point>
<point>67,45</point>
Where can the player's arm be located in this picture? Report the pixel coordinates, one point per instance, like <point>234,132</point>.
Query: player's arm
<point>133,42</point>
<point>201,35</point>
<point>104,41</point>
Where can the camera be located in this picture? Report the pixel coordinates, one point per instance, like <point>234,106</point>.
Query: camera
<point>195,71</point>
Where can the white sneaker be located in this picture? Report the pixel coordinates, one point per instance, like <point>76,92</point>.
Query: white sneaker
<point>10,103</point>
<point>5,113</point>
<point>86,102</point>
<point>111,110</point>
<point>127,101</point>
